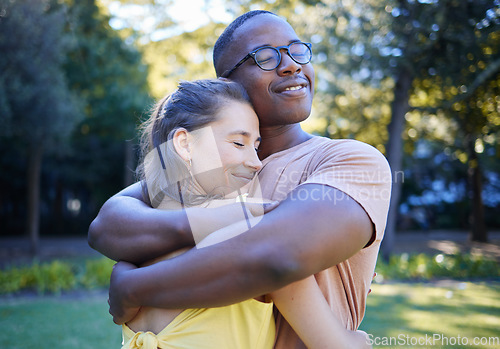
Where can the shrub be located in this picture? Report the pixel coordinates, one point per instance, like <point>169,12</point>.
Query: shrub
<point>425,267</point>
<point>97,273</point>
<point>56,276</point>
<point>53,277</point>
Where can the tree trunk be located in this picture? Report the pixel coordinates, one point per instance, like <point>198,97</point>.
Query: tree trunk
<point>478,226</point>
<point>394,151</point>
<point>33,177</point>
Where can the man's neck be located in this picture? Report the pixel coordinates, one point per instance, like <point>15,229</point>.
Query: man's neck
<point>278,138</point>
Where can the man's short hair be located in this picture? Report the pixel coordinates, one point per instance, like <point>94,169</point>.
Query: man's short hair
<point>225,38</point>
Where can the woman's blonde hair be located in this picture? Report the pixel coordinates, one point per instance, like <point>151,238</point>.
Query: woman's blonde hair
<point>193,105</point>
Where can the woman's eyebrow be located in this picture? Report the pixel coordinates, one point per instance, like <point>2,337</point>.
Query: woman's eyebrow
<point>240,132</point>
<point>244,134</point>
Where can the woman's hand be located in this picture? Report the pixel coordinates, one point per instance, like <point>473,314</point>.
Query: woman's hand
<point>255,206</point>
<point>223,213</point>
<point>359,340</point>
<point>119,307</point>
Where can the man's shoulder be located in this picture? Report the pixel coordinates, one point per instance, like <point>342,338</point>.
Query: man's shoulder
<point>345,147</point>
<point>337,142</point>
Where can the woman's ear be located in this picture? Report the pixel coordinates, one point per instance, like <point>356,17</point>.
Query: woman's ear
<point>182,143</point>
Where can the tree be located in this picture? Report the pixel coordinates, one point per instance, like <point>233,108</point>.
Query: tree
<point>106,83</point>
<point>465,86</point>
<point>407,41</point>
<point>171,52</point>
<point>108,74</point>
<point>38,110</point>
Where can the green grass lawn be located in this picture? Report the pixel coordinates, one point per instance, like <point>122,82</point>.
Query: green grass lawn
<point>416,314</point>
<point>52,322</point>
<point>405,311</point>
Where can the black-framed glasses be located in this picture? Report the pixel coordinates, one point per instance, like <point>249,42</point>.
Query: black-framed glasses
<point>269,57</point>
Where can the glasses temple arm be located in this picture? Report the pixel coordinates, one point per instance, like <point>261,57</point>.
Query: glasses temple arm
<point>228,72</point>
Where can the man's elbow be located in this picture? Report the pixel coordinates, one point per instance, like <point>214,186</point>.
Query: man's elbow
<point>276,268</point>
<point>288,270</point>
<point>94,234</point>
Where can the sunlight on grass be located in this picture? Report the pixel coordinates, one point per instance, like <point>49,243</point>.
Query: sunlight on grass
<point>457,311</point>
<point>406,311</point>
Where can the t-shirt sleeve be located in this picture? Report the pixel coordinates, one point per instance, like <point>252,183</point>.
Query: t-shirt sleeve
<point>360,171</point>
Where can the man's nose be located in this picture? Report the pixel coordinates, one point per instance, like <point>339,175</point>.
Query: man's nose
<point>287,64</point>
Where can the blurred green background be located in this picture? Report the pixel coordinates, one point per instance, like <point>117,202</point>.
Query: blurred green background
<point>419,80</point>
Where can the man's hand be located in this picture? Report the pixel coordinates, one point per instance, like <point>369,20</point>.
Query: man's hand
<point>118,307</point>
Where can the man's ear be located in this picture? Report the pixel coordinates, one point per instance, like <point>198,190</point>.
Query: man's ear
<point>182,143</point>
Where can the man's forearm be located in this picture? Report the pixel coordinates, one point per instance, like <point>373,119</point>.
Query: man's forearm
<point>297,239</point>
<point>128,229</point>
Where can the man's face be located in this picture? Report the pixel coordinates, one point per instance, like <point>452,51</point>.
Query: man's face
<point>281,96</point>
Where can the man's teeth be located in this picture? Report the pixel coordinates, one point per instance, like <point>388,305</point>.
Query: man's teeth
<point>293,88</point>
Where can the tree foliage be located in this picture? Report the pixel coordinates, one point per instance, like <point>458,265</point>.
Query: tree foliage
<point>458,86</point>
<point>38,111</point>
<point>33,50</point>
<point>104,79</point>
<point>111,80</point>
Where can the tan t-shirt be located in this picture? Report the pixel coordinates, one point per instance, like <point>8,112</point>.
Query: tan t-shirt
<point>358,170</point>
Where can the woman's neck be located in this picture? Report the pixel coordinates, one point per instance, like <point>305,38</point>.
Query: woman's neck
<point>278,138</point>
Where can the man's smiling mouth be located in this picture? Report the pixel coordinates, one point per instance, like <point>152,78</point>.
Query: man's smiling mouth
<point>291,85</point>
<point>294,88</point>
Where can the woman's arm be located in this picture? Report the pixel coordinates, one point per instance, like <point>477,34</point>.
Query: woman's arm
<point>223,219</point>
<point>127,227</point>
<point>305,308</point>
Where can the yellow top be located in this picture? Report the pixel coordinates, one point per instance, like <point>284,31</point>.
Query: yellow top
<point>245,325</point>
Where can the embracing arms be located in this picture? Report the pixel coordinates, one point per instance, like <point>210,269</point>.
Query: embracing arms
<point>315,228</point>
<point>128,229</point>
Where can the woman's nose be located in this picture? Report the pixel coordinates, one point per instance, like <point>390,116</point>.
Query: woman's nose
<point>253,161</point>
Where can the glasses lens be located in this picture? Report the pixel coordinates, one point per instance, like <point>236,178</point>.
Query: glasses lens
<point>300,52</point>
<point>267,58</point>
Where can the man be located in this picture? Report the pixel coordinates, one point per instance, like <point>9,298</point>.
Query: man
<point>334,200</point>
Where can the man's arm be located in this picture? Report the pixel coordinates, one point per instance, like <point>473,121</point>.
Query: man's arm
<point>315,228</point>
<point>127,228</point>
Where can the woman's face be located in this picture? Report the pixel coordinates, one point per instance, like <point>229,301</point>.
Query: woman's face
<point>224,156</point>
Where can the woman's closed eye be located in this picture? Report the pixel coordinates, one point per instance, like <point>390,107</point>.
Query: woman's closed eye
<point>238,144</point>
